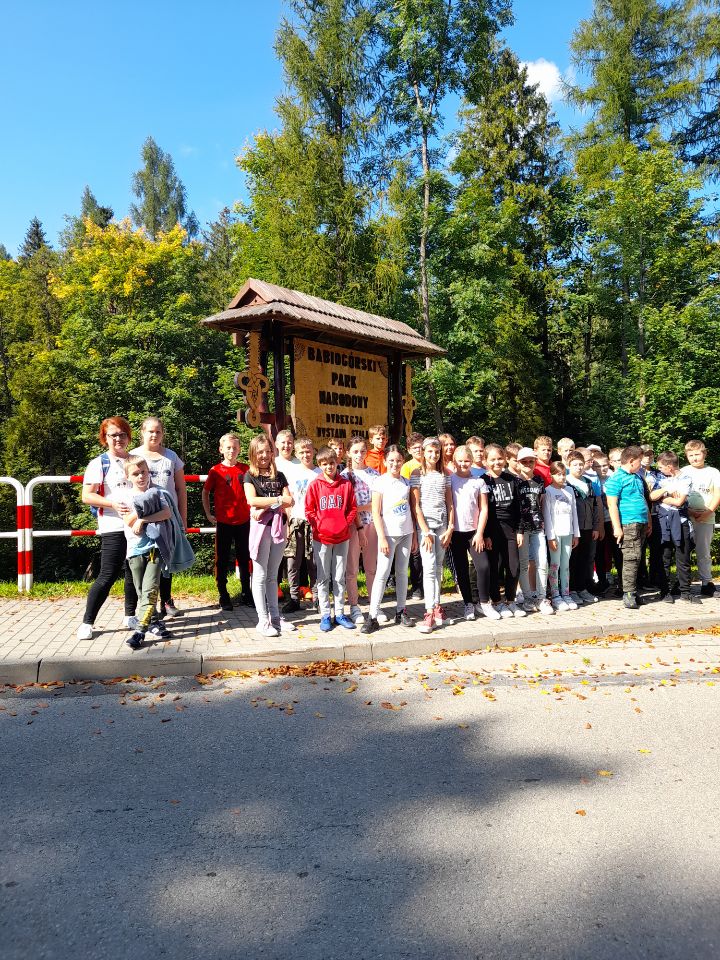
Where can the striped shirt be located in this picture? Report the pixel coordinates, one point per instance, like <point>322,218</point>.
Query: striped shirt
<point>432,486</point>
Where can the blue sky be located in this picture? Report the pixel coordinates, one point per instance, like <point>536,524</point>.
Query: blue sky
<point>84,83</point>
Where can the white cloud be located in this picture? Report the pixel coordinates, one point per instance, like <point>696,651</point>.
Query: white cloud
<point>547,76</point>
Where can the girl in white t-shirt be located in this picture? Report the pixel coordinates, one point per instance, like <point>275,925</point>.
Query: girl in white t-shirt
<point>103,484</point>
<point>363,535</point>
<point>394,522</point>
<point>432,497</point>
<point>167,470</point>
<point>470,504</point>
<point>562,532</point>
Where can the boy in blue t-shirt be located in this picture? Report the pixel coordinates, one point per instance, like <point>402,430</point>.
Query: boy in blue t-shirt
<point>627,503</point>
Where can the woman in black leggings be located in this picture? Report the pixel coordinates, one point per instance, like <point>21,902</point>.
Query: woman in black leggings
<point>104,479</point>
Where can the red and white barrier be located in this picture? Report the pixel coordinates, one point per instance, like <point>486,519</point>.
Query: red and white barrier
<point>27,533</point>
<point>20,527</point>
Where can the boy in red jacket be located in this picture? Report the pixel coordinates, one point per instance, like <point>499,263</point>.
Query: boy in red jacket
<point>330,510</point>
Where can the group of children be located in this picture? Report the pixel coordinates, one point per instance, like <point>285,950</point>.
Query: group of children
<point>520,531</point>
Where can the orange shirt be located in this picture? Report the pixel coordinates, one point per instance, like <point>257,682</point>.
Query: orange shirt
<point>376,460</point>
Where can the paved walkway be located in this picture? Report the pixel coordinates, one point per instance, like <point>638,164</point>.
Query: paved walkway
<point>38,641</point>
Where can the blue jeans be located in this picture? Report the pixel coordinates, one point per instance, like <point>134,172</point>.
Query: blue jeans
<point>560,567</point>
<point>534,550</point>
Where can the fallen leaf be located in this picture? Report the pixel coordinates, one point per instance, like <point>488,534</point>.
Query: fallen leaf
<point>352,688</point>
<point>644,751</point>
<point>581,813</point>
<point>604,773</point>
<point>588,726</point>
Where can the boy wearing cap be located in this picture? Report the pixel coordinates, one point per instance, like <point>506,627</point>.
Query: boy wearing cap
<point>533,549</point>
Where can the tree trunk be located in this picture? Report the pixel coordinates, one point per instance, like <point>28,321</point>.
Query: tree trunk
<point>424,288</point>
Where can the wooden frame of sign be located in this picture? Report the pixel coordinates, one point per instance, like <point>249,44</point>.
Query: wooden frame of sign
<point>347,367</point>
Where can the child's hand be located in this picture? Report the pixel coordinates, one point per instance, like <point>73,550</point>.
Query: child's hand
<point>488,543</point>
<point>575,542</point>
<point>427,541</point>
<point>601,533</point>
<point>553,544</point>
<point>596,534</point>
<point>287,500</point>
<point>478,541</point>
<point>137,527</point>
<point>618,534</point>
<point>519,537</point>
<point>445,539</point>
<point>119,507</point>
<point>384,547</point>
<point>362,538</point>
<point>211,519</point>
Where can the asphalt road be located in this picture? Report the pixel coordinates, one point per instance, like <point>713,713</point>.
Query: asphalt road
<point>499,813</point>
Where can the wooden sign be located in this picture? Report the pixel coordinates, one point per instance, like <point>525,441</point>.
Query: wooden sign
<point>338,392</point>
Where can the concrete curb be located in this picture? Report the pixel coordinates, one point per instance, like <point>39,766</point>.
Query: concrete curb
<point>506,634</point>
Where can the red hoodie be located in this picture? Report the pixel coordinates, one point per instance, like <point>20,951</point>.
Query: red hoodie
<point>330,509</point>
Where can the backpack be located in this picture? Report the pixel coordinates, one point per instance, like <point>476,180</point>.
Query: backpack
<point>105,463</point>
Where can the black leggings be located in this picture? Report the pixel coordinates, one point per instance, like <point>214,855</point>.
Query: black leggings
<point>460,547</point>
<point>504,551</point>
<point>113,547</point>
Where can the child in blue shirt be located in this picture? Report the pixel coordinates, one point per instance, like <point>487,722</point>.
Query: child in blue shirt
<point>628,508</point>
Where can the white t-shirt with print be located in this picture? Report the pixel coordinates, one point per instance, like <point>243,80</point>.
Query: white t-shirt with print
<point>704,481</point>
<point>396,515</point>
<point>298,477</point>
<point>364,484</point>
<point>115,482</point>
<point>162,467</point>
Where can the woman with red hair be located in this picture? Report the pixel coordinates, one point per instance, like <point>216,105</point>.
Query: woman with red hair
<point>104,480</point>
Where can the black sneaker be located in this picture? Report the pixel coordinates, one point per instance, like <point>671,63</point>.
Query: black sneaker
<point>292,606</point>
<point>245,600</point>
<point>690,598</point>
<point>403,620</point>
<point>370,626</point>
<point>158,629</point>
<point>417,594</point>
<point>135,641</point>
<point>630,601</point>
<point>226,603</point>
<point>675,589</point>
<point>668,598</point>
<point>707,590</point>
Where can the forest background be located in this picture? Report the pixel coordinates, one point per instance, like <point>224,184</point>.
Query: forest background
<point>573,280</point>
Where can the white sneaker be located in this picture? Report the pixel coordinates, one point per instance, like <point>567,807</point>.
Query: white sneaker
<point>356,615</point>
<point>569,601</point>
<point>489,611</point>
<point>576,599</point>
<point>266,629</point>
<point>171,611</point>
<point>516,611</point>
<point>504,610</point>
<point>131,623</point>
<point>381,617</point>
<point>559,605</point>
<point>85,631</point>
<point>529,606</point>
<point>588,597</point>
<point>283,626</point>
<point>519,597</point>
<point>469,611</point>
<point>546,608</point>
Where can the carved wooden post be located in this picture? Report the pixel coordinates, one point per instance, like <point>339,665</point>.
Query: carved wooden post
<point>409,402</point>
<point>252,381</point>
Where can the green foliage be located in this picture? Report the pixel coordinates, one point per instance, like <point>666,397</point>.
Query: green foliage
<point>161,195</point>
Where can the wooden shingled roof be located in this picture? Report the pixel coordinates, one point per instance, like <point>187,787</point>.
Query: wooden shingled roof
<point>303,315</point>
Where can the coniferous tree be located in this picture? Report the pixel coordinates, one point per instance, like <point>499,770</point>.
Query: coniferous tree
<point>306,224</point>
<point>433,48</point>
<point>699,138</point>
<point>637,55</point>
<point>4,254</point>
<point>161,194</point>
<point>34,240</point>
<point>91,210</point>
